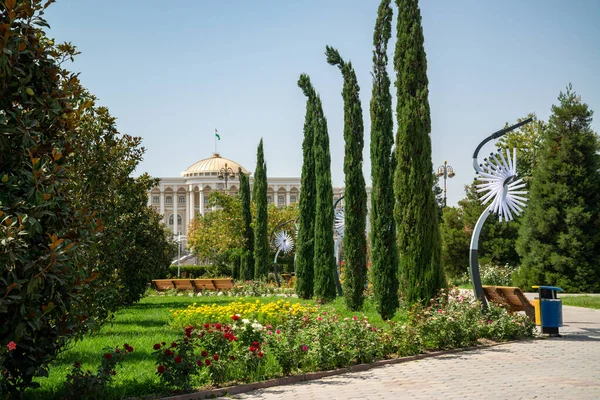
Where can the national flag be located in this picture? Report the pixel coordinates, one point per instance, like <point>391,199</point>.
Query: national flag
<point>217,134</point>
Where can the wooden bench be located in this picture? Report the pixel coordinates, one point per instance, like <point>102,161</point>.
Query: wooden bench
<point>512,298</point>
<point>195,285</point>
<point>160,285</point>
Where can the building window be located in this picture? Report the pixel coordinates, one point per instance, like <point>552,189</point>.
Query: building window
<point>181,199</point>
<point>292,199</point>
<point>213,173</point>
<point>280,199</point>
<point>220,186</point>
<point>179,220</point>
<point>269,200</point>
<point>155,199</point>
<point>206,199</point>
<point>169,199</point>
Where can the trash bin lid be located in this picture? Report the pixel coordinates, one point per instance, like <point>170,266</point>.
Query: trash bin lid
<point>548,288</point>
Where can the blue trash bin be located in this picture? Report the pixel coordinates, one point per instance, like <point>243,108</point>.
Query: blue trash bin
<point>550,309</point>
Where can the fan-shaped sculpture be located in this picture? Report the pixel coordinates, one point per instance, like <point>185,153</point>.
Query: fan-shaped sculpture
<point>283,242</point>
<point>501,187</point>
<point>338,222</point>
<point>499,177</point>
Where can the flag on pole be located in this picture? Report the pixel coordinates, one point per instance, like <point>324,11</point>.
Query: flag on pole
<point>217,134</point>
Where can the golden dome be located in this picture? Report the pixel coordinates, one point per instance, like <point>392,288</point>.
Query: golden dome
<point>212,166</point>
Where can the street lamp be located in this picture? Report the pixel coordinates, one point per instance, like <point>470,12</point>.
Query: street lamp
<point>226,173</point>
<point>180,239</point>
<point>447,172</point>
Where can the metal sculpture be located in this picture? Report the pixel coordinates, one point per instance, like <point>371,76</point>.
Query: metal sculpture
<point>338,227</point>
<point>499,177</point>
<point>282,242</point>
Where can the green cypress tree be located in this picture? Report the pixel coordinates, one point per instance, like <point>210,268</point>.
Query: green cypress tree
<point>261,241</point>
<point>384,253</point>
<point>415,209</point>
<point>306,220</point>
<point>325,268</point>
<point>247,262</point>
<point>559,241</point>
<point>355,193</point>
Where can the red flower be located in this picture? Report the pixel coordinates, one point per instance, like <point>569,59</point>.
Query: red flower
<point>260,354</point>
<point>77,365</point>
<point>206,326</point>
<point>128,348</point>
<point>177,359</point>
<point>11,346</point>
<point>218,326</point>
<point>173,344</point>
<point>216,357</point>
<point>255,344</point>
<point>204,353</point>
<point>108,356</point>
<point>252,348</point>
<point>235,317</point>
<point>160,369</point>
<point>163,343</point>
<point>113,372</point>
<point>199,363</point>
<point>232,358</point>
<point>207,362</point>
<point>278,331</point>
<point>168,352</point>
<point>189,328</point>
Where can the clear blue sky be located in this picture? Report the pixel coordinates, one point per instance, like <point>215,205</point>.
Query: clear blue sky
<point>173,71</point>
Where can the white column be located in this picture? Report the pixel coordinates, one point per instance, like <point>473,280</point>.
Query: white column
<point>161,200</point>
<point>175,201</point>
<point>149,198</point>
<point>287,195</point>
<point>191,203</point>
<point>201,200</point>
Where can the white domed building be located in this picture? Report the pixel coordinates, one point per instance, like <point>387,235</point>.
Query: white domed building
<point>187,195</point>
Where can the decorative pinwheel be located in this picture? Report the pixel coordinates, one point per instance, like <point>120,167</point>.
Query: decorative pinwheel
<point>501,186</point>
<point>283,242</point>
<point>338,222</point>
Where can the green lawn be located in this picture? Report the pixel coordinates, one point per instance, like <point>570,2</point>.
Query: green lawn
<point>141,326</point>
<point>582,301</point>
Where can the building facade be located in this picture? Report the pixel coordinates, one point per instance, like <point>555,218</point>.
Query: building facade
<point>187,195</point>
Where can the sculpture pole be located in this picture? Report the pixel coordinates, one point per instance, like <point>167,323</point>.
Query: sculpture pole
<point>499,176</point>
<point>338,227</point>
<point>282,242</point>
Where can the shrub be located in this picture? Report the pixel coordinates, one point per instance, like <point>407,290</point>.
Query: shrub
<point>496,275</point>
<point>80,385</point>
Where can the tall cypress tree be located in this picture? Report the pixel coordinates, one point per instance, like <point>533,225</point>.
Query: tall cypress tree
<point>261,241</point>
<point>415,210</point>
<point>384,253</point>
<point>559,241</point>
<point>306,221</point>
<point>324,261</point>
<point>355,193</point>
<point>247,265</point>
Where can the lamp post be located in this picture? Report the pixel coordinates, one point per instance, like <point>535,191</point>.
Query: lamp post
<point>447,172</point>
<point>226,173</point>
<point>180,239</point>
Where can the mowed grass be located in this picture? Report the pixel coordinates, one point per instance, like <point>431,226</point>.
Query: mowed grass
<point>141,326</point>
<point>582,301</point>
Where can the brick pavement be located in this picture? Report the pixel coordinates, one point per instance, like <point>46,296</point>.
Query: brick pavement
<point>552,368</point>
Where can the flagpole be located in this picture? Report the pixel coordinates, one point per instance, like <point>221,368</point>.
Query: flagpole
<point>215,141</point>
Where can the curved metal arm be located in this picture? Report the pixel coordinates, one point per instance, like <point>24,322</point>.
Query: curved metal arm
<point>493,136</point>
<point>337,201</point>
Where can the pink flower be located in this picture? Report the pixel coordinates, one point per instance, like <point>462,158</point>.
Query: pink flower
<point>304,347</point>
<point>278,331</point>
<point>354,317</point>
<point>11,346</point>
<point>319,319</point>
<point>439,310</point>
<point>269,333</point>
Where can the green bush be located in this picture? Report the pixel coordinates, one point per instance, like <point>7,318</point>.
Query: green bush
<point>496,275</point>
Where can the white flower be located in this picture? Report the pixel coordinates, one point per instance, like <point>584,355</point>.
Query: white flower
<point>246,321</point>
<point>256,325</point>
<point>220,294</point>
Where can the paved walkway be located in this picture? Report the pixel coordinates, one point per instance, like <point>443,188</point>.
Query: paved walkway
<point>554,368</point>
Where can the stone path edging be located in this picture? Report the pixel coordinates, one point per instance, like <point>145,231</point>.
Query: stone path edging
<point>289,380</point>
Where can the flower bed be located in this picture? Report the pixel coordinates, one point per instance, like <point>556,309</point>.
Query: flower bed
<point>250,341</point>
<point>273,313</point>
